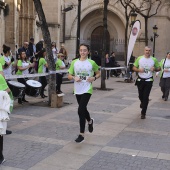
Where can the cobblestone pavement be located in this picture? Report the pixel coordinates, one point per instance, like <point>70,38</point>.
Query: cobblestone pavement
<point>43,137</point>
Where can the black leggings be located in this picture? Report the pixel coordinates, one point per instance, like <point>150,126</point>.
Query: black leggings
<point>43,81</point>
<point>23,81</point>
<point>83,113</point>
<point>58,81</point>
<point>144,89</point>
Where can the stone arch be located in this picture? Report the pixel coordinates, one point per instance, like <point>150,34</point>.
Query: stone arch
<point>94,7</point>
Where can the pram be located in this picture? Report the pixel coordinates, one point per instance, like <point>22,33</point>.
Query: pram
<point>116,72</point>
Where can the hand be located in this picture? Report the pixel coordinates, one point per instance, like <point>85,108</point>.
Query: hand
<point>29,66</point>
<point>90,79</point>
<point>141,70</point>
<point>77,79</point>
<point>166,70</point>
<point>152,69</point>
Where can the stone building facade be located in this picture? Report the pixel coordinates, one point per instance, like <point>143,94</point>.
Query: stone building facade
<point>21,23</point>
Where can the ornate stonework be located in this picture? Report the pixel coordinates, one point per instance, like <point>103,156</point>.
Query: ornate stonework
<point>20,24</point>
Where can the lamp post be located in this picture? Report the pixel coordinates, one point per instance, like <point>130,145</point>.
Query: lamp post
<point>78,27</point>
<point>103,74</point>
<point>155,35</point>
<point>133,16</point>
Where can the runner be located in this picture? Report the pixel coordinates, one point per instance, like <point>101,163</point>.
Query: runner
<point>82,72</point>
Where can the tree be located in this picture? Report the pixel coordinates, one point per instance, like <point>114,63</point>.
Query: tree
<point>147,9</point>
<point>125,4</point>
<point>47,40</point>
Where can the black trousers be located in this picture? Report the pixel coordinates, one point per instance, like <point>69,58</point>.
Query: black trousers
<point>58,81</point>
<point>1,147</point>
<point>144,89</point>
<point>83,113</point>
<point>43,81</point>
<point>165,86</point>
<point>23,81</point>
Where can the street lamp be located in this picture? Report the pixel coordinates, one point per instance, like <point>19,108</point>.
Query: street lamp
<point>133,16</point>
<point>155,35</point>
<point>78,27</point>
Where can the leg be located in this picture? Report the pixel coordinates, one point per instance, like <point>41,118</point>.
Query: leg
<point>1,148</point>
<point>146,93</point>
<point>58,82</point>
<point>82,110</point>
<point>43,81</point>
<point>23,81</point>
<point>140,86</point>
<point>162,85</point>
<point>167,88</point>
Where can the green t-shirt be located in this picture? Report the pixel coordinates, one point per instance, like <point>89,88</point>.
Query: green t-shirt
<point>2,60</point>
<point>3,84</point>
<point>146,64</point>
<point>58,64</point>
<point>41,67</point>
<point>1,67</point>
<point>22,64</point>
<point>83,69</point>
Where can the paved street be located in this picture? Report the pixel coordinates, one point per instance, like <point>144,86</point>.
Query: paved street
<point>43,137</point>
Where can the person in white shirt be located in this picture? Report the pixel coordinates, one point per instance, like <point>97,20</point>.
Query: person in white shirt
<point>165,77</point>
<point>8,60</point>
<point>145,65</point>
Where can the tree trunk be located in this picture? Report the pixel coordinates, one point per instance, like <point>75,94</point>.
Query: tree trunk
<point>103,73</point>
<point>126,37</point>
<point>47,41</point>
<point>146,31</point>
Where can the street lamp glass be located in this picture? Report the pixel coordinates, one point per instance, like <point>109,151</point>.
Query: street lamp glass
<point>155,28</point>
<point>133,16</point>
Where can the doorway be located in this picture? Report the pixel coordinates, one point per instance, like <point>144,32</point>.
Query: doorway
<point>97,40</point>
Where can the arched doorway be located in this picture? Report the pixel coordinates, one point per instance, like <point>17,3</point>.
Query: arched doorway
<point>97,40</point>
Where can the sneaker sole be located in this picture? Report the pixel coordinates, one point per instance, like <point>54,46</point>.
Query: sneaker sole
<point>2,162</point>
<point>93,124</point>
<point>80,142</point>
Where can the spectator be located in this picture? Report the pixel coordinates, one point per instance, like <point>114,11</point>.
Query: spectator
<point>96,58</point>
<point>25,49</point>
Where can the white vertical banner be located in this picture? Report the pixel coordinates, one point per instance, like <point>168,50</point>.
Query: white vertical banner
<point>133,36</point>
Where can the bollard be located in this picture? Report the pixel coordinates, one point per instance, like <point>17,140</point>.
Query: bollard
<point>57,100</point>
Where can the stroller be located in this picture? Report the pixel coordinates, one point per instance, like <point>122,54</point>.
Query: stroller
<point>129,70</point>
<point>116,72</point>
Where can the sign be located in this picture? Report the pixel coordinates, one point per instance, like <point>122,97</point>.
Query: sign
<point>133,36</point>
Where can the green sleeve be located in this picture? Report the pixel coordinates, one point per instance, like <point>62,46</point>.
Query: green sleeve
<point>71,69</point>
<point>3,84</point>
<point>44,61</point>
<point>157,65</point>
<point>2,60</point>
<point>95,67</point>
<point>136,63</point>
<point>1,67</point>
<point>19,63</point>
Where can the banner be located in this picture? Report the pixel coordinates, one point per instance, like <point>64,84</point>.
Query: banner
<point>133,36</point>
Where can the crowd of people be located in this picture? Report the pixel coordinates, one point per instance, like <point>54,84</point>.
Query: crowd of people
<point>31,58</point>
<point>83,71</point>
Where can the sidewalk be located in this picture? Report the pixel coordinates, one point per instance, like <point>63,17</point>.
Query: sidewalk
<point>43,137</point>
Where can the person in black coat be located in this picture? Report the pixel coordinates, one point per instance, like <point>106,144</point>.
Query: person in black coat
<point>96,58</point>
<point>25,49</point>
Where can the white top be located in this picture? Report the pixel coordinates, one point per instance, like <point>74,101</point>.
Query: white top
<point>167,66</point>
<point>25,64</point>
<point>54,51</point>
<point>8,71</point>
<point>147,64</point>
